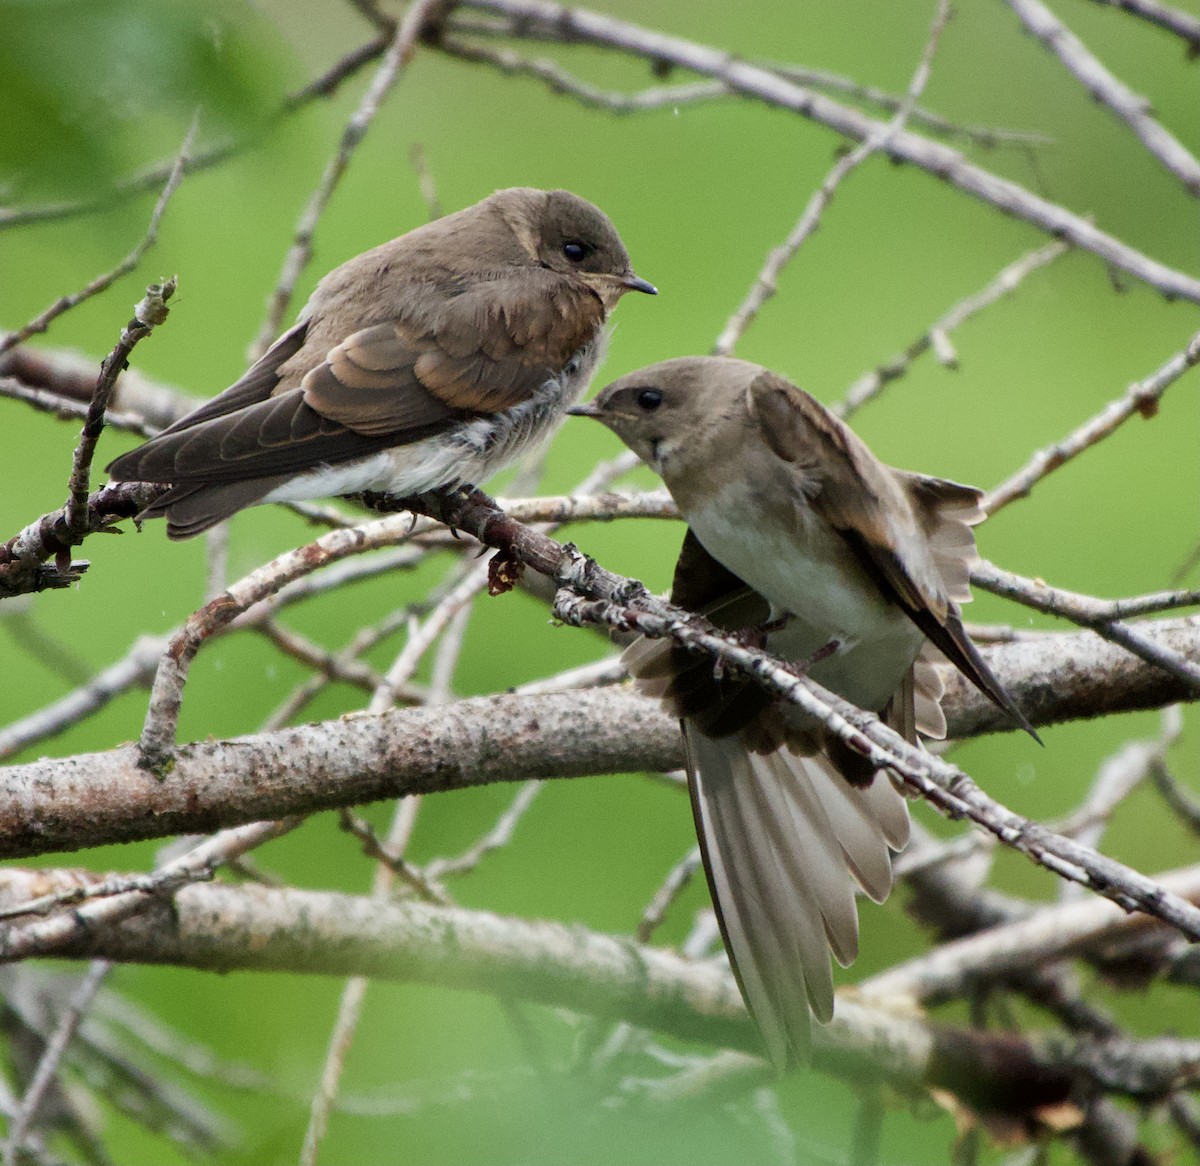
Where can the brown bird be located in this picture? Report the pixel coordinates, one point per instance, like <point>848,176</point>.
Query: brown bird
<point>803,541</point>
<point>431,361</point>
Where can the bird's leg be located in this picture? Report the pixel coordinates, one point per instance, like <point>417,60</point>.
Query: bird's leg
<point>822,653</point>
<point>755,636</point>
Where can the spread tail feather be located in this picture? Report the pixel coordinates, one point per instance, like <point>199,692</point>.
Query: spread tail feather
<point>785,841</point>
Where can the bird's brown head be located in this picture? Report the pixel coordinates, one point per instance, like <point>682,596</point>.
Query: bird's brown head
<point>673,413</point>
<point>565,233</point>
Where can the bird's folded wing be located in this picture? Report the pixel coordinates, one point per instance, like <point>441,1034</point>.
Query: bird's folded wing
<point>484,349</point>
<point>910,532</point>
<point>153,461</point>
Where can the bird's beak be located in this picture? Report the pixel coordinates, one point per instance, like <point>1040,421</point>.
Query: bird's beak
<point>636,283</point>
<point>586,410</point>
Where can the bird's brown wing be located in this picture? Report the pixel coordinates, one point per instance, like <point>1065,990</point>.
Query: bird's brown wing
<point>154,460</point>
<point>911,533</point>
<point>484,349</point>
<point>455,354</point>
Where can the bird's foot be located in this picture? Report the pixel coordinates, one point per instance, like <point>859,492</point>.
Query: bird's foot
<point>755,636</point>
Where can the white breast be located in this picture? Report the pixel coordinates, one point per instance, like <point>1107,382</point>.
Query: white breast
<point>806,569</point>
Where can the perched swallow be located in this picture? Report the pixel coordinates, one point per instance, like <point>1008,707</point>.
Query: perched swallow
<point>431,361</point>
<point>800,538</point>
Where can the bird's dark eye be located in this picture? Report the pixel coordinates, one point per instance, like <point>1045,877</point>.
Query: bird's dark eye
<point>649,399</point>
<point>576,251</point>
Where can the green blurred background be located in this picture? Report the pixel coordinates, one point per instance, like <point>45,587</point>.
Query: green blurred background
<point>699,193</point>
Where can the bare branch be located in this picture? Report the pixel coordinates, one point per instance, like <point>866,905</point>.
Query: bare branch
<point>51,1059</point>
<point>1047,934</point>
<point>677,880</point>
<point>323,86</point>
<point>394,62</point>
<point>135,668</point>
<point>870,384</point>
<point>499,836</point>
<point>1182,24</point>
<point>767,282</point>
<point>1141,398</point>
<point>269,929</point>
<point>72,379</point>
<point>1110,91</point>
<point>559,80</point>
<point>103,282</point>
<point>66,409</point>
<point>1100,615</point>
<point>105,905</point>
<point>21,558</point>
<point>933,157</point>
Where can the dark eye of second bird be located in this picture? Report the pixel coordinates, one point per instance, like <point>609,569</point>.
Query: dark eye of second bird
<point>575,251</point>
<point>649,399</point>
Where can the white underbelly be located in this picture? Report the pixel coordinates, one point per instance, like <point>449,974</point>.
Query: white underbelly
<point>808,572</point>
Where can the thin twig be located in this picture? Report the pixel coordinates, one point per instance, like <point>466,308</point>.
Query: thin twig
<point>935,158</point>
<point>21,558</point>
<point>390,864</point>
<point>1141,398</point>
<point>495,839</point>
<point>677,880</point>
<point>42,936</point>
<point>1117,777</point>
<point>332,666</point>
<point>472,581</point>
<point>1048,933</point>
<point>67,377</point>
<point>354,993</point>
<point>135,668</point>
<point>1185,806</point>
<point>391,68</point>
<point>936,337</point>
<point>47,1067</point>
<point>1102,616</point>
<point>989,137</point>
<point>559,80</point>
<point>103,282</point>
<point>1109,91</point>
<point>320,87</point>
<point>767,282</point>
<point>1182,24</point>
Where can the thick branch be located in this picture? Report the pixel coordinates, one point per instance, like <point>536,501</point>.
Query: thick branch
<point>97,798</point>
<point>223,928</point>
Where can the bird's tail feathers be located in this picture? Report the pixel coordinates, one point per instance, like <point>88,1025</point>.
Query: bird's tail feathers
<point>190,510</point>
<point>785,841</point>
